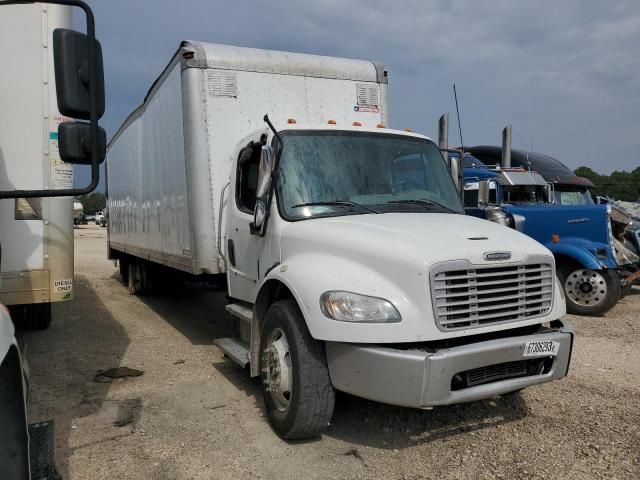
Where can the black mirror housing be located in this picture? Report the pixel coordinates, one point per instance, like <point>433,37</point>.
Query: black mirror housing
<point>71,64</point>
<point>74,143</point>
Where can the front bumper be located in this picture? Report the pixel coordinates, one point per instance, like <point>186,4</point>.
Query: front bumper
<point>422,376</point>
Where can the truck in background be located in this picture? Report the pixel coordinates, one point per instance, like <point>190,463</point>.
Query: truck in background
<point>47,69</point>
<point>345,270</point>
<point>37,231</point>
<point>596,248</point>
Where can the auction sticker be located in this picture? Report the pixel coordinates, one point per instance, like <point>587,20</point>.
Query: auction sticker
<point>537,348</point>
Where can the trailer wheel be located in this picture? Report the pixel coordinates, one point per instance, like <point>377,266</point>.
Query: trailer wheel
<point>589,292</point>
<point>134,278</point>
<point>297,390</point>
<point>124,271</point>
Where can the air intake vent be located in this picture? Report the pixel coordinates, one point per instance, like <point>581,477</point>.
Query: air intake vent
<point>367,94</point>
<point>222,84</point>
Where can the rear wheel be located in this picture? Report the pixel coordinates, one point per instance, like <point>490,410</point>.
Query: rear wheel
<point>124,270</point>
<point>134,278</point>
<point>589,292</point>
<point>297,390</point>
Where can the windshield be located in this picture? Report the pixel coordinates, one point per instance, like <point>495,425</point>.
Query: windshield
<point>568,196</point>
<point>344,173</point>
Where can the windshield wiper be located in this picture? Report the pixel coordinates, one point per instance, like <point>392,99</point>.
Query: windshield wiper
<point>424,201</point>
<point>339,203</point>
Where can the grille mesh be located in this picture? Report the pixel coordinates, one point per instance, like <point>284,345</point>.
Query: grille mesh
<point>480,296</point>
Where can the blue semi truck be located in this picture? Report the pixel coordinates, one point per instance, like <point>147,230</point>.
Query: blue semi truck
<point>596,247</point>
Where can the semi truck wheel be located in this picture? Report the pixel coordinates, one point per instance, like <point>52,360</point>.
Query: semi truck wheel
<point>134,278</point>
<point>297,390</point>
<point>124,271</point>
<point>589,292</point>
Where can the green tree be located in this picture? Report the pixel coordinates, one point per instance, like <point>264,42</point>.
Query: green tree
<point>619,185</point>
<point>93,202</point>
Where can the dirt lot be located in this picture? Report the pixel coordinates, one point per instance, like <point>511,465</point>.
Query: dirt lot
<point>195,415</point>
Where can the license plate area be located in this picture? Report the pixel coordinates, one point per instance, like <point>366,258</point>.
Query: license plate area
<point>541,348</point>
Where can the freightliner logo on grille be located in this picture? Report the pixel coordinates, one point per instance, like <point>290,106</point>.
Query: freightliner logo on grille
<point>497,256</point>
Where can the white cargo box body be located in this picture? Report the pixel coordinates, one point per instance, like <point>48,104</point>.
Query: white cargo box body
<point>170,160</point>
<point>36,234</point>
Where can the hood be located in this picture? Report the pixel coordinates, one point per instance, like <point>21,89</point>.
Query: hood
<point>415,238</point>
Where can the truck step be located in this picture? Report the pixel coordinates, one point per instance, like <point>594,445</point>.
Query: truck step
<point>240,311</point>
<point>42,451</point>
<point>233,349</point>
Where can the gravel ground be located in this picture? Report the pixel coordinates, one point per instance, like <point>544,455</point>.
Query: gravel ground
<point>195,415</point>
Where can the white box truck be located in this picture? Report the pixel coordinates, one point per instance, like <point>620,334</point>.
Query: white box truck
<point>348,258</point>
<point>36,233</point>
<point>49,74</point>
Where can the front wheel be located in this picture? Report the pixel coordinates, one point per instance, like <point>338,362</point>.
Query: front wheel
<point>589,292</point>
<point>297,390</point>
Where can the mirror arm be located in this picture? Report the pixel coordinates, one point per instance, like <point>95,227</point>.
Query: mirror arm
<point>93,116</point>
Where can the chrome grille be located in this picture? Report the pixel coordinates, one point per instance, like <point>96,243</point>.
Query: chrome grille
<point>480,296</point>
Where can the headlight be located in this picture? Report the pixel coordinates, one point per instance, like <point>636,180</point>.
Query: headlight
<point>351,307</point>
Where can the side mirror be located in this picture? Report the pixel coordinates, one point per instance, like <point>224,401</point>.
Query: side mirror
<point>455,168</point>
<point>73,53</point>
<point>551,193</point>
<point>484,192</point>
<point>263,191</point>
<point>74,143</point>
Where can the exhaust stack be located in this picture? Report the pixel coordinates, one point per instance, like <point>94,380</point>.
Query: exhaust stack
<point>506,147</point>
<point>443,135</point>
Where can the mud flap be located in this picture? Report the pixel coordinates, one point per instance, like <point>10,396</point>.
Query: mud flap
<point>42,439</point>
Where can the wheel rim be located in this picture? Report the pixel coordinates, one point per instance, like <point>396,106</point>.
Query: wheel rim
<point>586,288</point>
<point>277,371</point>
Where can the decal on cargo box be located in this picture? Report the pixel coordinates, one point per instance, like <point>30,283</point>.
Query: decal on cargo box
<point>366,108</point>
<point>61,172</point>
<point>63,287</point>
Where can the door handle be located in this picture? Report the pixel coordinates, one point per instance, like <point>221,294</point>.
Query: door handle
<point>232,252</point>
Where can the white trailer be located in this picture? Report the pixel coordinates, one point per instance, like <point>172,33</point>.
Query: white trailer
<point>37,233</point>
<point>348,258</point>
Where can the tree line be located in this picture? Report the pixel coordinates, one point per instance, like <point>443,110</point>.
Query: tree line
<point>618,186</point>
<point>92,203</point>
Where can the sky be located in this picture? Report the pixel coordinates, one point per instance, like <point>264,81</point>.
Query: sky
<point>565,75</point>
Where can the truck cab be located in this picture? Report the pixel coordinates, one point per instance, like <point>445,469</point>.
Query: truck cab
<point>592,252</point>
<point>366,265</point>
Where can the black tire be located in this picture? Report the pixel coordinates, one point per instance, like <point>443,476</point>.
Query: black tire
<point>134,278</point>
<point>311,397</point>
<point>124,270</point>
<point>594,302</point>
<point>35,316</point>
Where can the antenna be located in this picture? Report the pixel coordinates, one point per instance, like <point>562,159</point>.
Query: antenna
<point>455,95</point>
<point>273,129</point>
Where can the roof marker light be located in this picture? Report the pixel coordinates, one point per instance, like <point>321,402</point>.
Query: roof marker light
<point>291,120</point>
<point>356,124</point>
<point>408,130</point>
<point>331,122</point>
<point>380,125</point>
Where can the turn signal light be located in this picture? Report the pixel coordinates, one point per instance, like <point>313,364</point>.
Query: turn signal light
<point>331,122</point>
<point>291,120</point>
<point>356,124</point>
<point>380,125</point>
<point>555,238</point>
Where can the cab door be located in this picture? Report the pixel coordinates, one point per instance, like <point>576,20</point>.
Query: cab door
<point>243,250</point>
